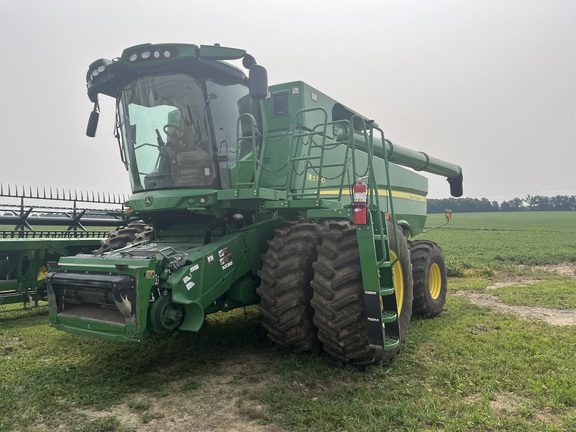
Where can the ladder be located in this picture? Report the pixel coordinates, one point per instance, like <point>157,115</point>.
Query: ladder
<point>377,260</point>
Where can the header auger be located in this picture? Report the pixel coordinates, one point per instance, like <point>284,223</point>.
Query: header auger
<point>247,195</point>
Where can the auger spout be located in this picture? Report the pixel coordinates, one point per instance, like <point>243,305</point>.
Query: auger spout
<point>420,161</point>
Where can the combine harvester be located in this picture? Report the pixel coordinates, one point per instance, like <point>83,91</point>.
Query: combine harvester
<point>279,196</point>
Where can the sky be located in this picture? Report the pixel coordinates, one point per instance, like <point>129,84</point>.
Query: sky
<point>489,85</point>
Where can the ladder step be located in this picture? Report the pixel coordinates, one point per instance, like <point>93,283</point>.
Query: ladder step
<point>391,342</point>
<point>387,291</point>
<point>389,317</point>
<point>384,264</point>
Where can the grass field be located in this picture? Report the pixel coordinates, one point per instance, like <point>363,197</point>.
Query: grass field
<point>472,368</point>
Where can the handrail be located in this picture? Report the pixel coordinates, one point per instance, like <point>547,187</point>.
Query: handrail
<point>295,138</point>
<point>253,155</point>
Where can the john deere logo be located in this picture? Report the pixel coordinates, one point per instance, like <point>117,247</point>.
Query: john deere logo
<point>148,200</point>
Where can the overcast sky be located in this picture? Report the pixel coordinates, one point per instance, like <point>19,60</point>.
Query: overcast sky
<point>489,85</point>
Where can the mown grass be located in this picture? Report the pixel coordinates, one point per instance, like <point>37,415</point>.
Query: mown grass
<point>468,369</point>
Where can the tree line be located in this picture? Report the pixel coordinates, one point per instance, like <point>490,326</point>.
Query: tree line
<point>529,203</point>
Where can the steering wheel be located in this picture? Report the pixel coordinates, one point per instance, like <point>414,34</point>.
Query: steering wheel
<point>174,131</point>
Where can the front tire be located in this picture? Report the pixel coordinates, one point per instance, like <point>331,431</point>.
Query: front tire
<point>285,286</point>
<point>338,298</point>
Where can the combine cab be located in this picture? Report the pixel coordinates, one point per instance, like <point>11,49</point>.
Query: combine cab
<point>251,194</point>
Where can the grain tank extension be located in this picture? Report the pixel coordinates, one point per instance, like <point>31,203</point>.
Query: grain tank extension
<point>278,196</point>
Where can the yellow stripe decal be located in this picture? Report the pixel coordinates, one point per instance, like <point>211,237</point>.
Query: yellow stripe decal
<point>384,193</point>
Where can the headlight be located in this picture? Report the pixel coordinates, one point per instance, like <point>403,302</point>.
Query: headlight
<point>96,69</point>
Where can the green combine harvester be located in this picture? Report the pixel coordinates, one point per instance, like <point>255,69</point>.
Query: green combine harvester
<point>248,194</point>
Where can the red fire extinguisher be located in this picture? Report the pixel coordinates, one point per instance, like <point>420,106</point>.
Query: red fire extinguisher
<point>360,201</point>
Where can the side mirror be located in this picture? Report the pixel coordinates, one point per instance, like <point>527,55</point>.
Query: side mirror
<point>92,124</point>
<point>258,80</point>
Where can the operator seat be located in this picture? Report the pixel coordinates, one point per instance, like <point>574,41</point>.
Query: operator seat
<point>185,164</point>
<point>192,167</point>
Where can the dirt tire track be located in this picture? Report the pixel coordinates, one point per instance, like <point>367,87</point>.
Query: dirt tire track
<point>554,317</point>
<point>551,316</point>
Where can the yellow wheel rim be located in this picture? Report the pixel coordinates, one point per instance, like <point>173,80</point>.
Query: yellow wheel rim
<point>398,281</point>
<point>434,281</point>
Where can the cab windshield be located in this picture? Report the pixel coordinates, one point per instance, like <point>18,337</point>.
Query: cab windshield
<point>166,123</point>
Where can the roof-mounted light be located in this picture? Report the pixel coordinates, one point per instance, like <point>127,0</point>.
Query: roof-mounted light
<point>145,53</point>
<point>97,69</point>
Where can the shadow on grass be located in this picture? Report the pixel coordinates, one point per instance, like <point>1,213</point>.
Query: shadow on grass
<point>51,373</point>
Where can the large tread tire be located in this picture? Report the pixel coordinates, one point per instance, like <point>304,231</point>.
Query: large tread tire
<point>430,281</point>
<point>134,232</point>
<point>338,298</point>
<point>285,286</point>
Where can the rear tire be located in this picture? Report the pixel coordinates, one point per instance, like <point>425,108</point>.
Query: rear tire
<point>285,286</point>
<point>429,274</point>
<point>338,298</point>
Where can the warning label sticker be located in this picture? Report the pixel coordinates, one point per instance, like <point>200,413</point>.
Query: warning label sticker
<point>225,258</point>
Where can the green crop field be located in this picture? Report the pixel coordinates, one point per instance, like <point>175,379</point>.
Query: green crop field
<point>500,357</point>
<point>479,243</point>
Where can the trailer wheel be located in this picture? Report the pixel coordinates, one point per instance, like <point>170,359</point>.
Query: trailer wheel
<point>133,233</point>
<point>338,298</point>
<point>285,286</point>
<point>429,274</point>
